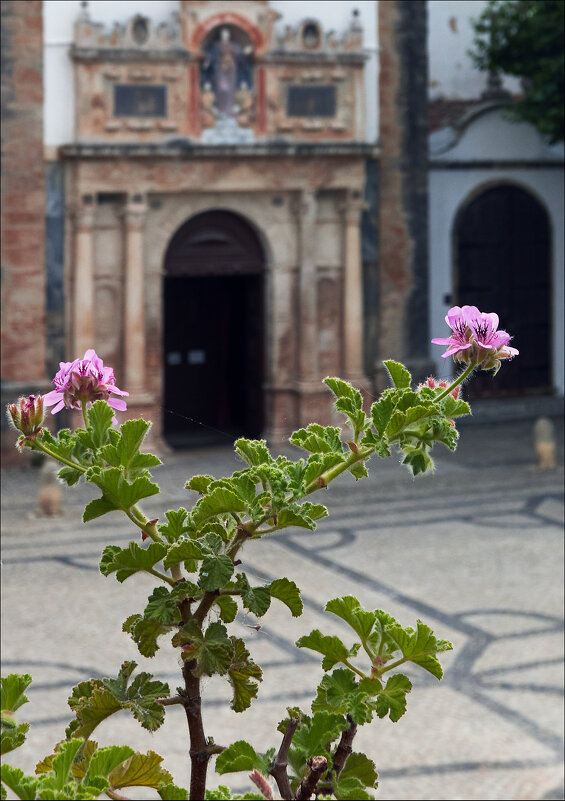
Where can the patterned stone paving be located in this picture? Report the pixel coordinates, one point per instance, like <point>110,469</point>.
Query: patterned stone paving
<point>476,552</point>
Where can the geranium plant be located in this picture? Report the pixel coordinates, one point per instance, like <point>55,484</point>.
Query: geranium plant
<point>193,555</point>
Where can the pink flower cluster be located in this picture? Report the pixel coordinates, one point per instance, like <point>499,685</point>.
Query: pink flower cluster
<point>84,380</point>
<point>475,338</point>
<point>433,383</point>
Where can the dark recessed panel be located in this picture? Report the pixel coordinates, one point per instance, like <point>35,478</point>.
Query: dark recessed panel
<point>137,100</point>
<point>311,101</point>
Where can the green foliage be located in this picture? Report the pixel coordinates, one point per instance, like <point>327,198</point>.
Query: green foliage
<point>124,562</point>
<point>524,38</point>
<point>95,700</point>
<point>12,697</point>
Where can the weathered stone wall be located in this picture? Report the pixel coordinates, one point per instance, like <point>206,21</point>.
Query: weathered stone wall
<point>403,210</point>
<point>23,193</point>
<point>23,206</point>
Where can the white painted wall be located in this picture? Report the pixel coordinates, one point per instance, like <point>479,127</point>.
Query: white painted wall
<point>492,136</point>
<point>59,17</point>
<point>450,36</point>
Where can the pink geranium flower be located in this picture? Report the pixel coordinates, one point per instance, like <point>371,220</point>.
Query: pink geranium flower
<point>84,380</point>
<point>475,338</point>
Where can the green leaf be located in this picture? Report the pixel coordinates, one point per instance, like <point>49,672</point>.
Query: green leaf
<point>293,517</point>
<point>199,484</point>
<point>212,649</point>
<point>452,407</point>
<point>349,609</point>
<point>315,737</point>
<point>254,452</point>
<point>339,692</point>
<point>351,788</point>
<point>12,689</point>
<point>117,492</point>
<point>286,591</point>
<point>182,551</point>
<point>22,786</point>
<point>243,675</point>
<point>100,416</point>
<point>13,738</point>
<point>237,756</point>
<point>140,770</point>
<point>318,439</point>
<point>381,412</point>
<point>256,599</point>
<point>318,463</point>
<point>332,648</point>
<point>70,475</point>
<point>393,697</point>
<point>362,768</point>
<point>63,761</point>
<point>145,633</point>
<point>162,606</point>
<point>228,608</point>
<point>419,646</point>
<point>104,760</point>
<point>358,470</point>
<point>127,561</point>
<point>219,501</point>
<point>95,700</point>
<point>175,527</point>
<point>125,453</point>
<point>399,374</point>
<point>170,792</point>
<point>417,459</point>
<point>215,572</point>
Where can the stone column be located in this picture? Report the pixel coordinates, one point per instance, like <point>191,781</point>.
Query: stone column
<point>305,210</point>
<point>134,293</point>
<point>353,289</point>
<point>83,285</point>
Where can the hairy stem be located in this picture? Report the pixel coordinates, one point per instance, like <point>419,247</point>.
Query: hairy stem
<point>279,763</point>
<point>458,380</point>
<point>59,458</point>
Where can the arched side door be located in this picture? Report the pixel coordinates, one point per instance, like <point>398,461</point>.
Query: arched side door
<point>213,331</point>
<point>502,264</point>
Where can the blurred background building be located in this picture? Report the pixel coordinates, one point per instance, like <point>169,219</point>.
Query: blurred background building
<point>231,200</point>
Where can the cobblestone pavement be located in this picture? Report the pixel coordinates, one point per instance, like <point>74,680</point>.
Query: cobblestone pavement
<point>475,551</point>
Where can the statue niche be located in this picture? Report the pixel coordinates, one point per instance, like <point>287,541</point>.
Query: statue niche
<point>226,77</point>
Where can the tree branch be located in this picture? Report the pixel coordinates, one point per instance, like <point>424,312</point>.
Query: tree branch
<point>344,748</point>
<point>175,699</point>
<point>199,755</point>
<point>317,765</point>
<point>279,763</point>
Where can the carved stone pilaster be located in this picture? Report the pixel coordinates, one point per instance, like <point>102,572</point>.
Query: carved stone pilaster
<point>83,277</point>
<point>351,209</point>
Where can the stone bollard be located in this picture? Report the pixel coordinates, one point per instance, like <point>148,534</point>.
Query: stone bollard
<point>544,438</point>
<point>50,490</point>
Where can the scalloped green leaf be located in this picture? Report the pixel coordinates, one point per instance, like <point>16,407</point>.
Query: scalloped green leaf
<point>199,484</point>
<point>393,697</point>
<point>13,738</point>
<point>125,452</point>
<point>211,649</point>
<point>100,416</point>
<point>219,501</point>
<point>362,622</point>
<point>332,648</point>
<point>381,412</point>
<point>244,675</point>
<point>12,691</point>
<point>362,768</point>
<point>171,792</point>
<point>127,561</point>
<point>253,451</point>
<point>215,572</point>
<point>70,475</point>
<point>140,770</point>
<point>228,608</point>
<point>286,591</point>
<point>419,646</point>
<point>339,692</point>
<point>175,526</point>
<point>22,786</point>
<point>399,375</point>
<point>237,756</point>
<point>315,736</point>
<point>104,760</point>
<point>117,492</point>
<point>182,551</point>
<point>318,439</point>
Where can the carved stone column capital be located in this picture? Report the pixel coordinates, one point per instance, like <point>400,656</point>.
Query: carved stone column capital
<point>352,205</point>
<point>135,212</point>
<point>82,213</point>
<point>304,205</point>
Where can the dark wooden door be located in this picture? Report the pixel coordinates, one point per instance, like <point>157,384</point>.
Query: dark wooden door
<point>503,265</point>
<point>213,333</point>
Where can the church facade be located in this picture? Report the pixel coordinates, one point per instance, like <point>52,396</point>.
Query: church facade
<point>214,194</point>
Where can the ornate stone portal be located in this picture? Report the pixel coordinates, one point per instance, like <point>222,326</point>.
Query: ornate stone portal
<point>219,110</point>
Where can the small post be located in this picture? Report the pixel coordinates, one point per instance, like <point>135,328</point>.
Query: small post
<point>544,439</point>
<point>50,490</point>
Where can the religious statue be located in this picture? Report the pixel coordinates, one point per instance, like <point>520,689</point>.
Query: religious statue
<point>244,106</point>
<point>226,66</point>
<point>208,113</point>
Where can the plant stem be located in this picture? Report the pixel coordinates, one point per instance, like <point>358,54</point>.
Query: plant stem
<point>84,414</point>
<point>316,766</point>
<point>59,458</point>
<point>353,668</point>
<point>279,763</point>
<point>344,748</point>
<point>199,754</point>
<point>467,372</point>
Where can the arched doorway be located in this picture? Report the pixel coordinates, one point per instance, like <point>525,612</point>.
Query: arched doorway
<point>213,331</point>
<point>502,249</point>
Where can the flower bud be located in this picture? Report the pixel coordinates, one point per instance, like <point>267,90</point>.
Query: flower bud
<point>27,414</point>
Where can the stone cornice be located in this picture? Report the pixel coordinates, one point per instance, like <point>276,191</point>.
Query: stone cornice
<point>190,150</point>
<point>129,55</point>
